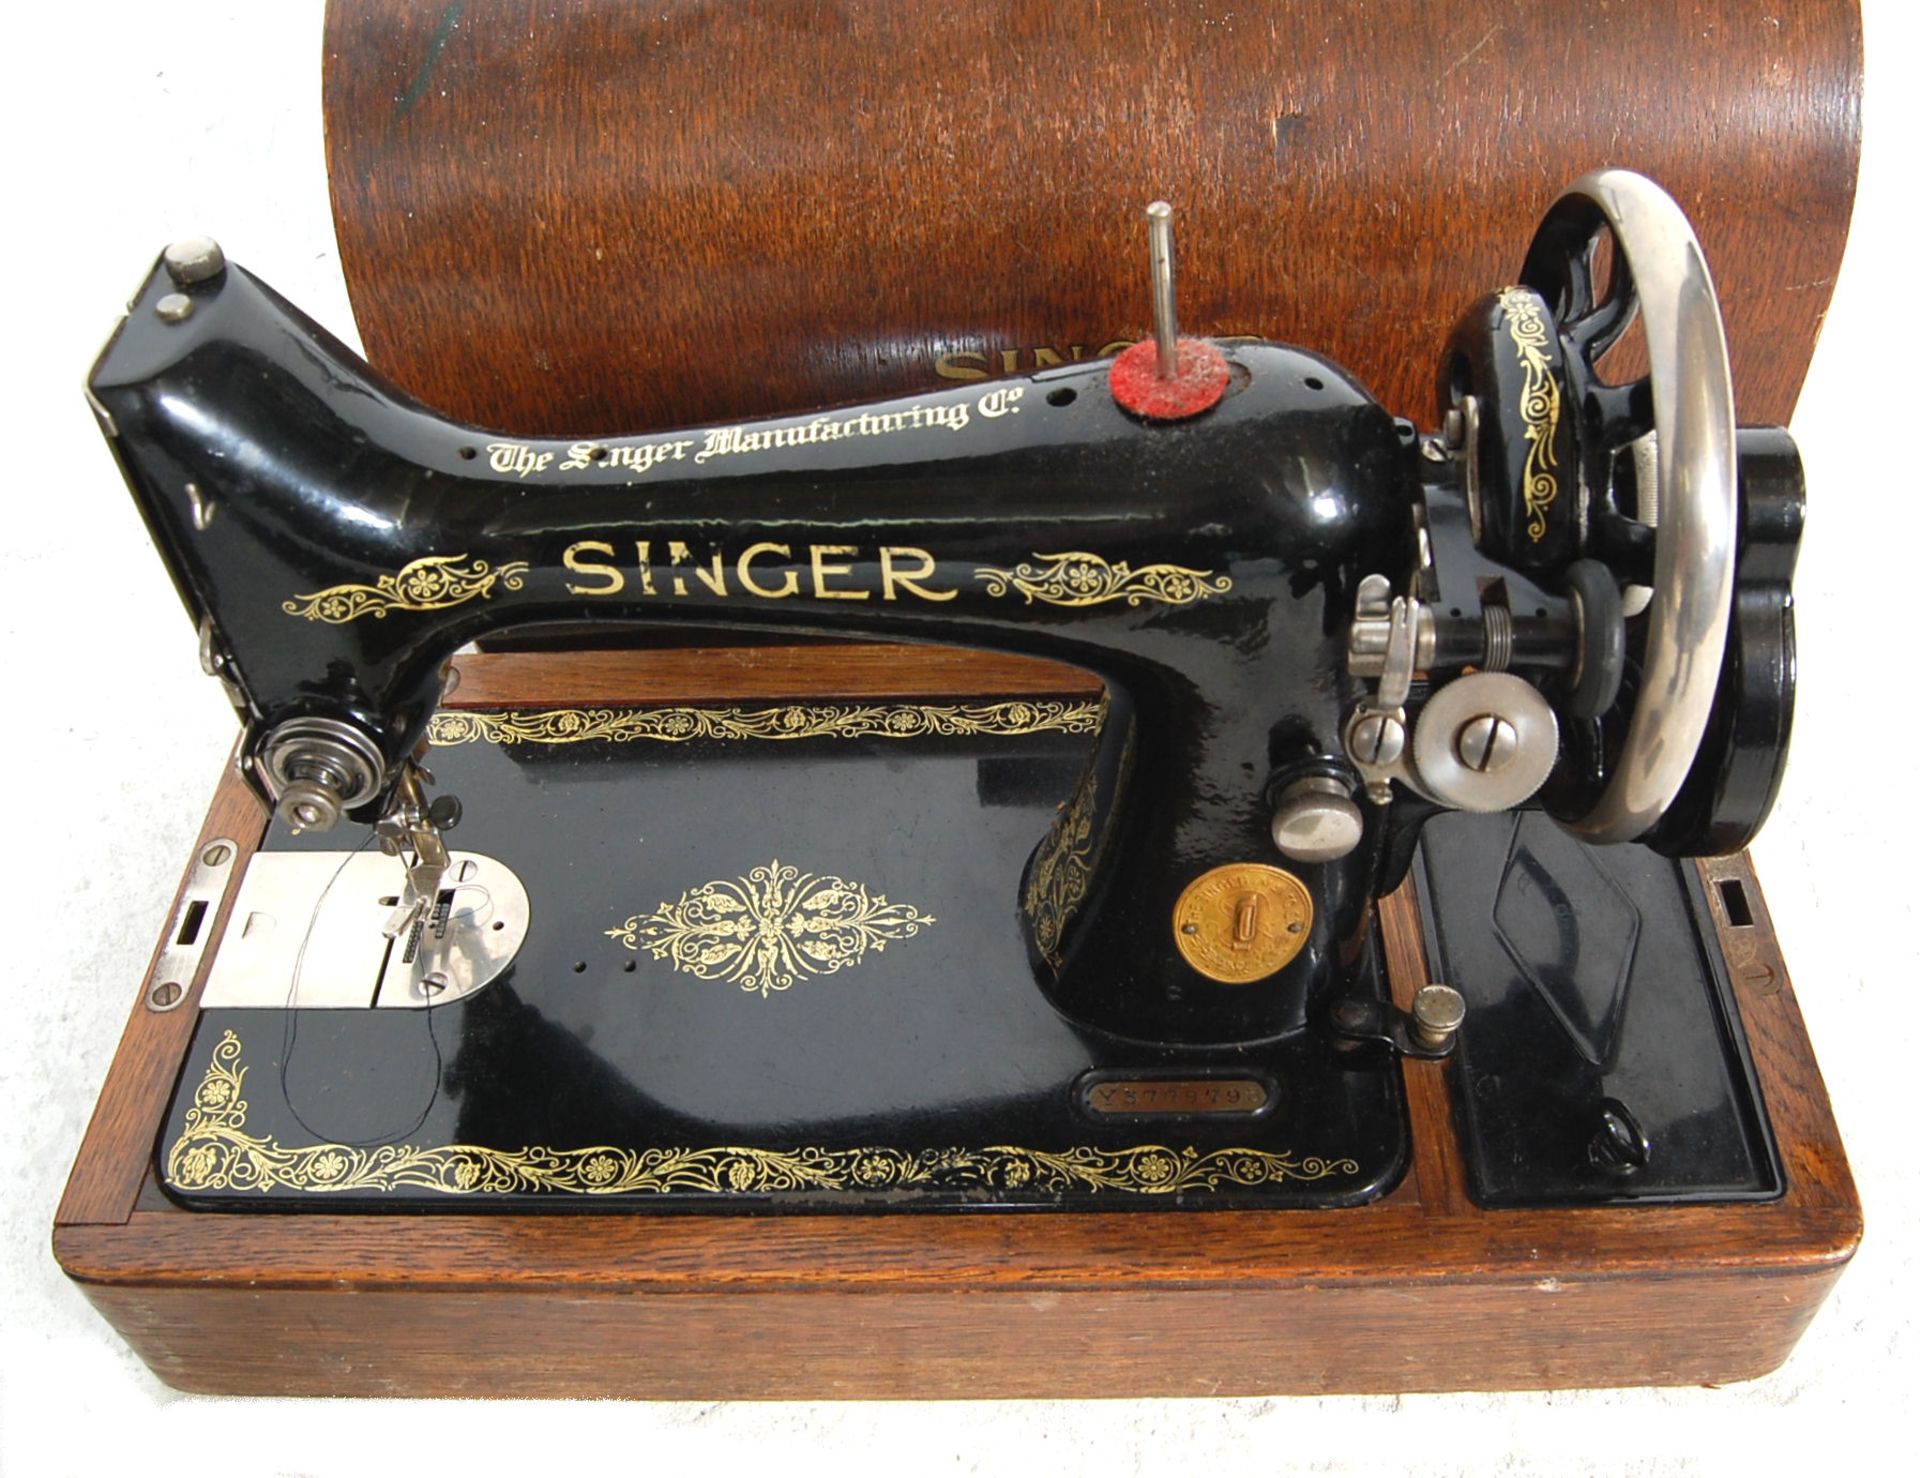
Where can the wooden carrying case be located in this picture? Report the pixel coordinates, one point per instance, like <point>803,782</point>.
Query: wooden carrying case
<point>609,220</point>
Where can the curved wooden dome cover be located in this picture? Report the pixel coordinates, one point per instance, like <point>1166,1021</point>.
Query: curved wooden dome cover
<point>590,217</point>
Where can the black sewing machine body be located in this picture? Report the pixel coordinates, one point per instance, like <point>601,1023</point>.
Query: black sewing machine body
<point>1245,545</point>
<point>1096,983</point>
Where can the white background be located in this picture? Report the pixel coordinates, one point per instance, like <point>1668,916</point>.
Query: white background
<point>128,125</point>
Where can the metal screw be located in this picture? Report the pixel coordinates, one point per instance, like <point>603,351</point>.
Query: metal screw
<point>218,853</point>
<point>197,259</point>
<point>1378,739</point>
<point>210,659</point>
<point>174,308</point>
<point>165,995</point>
<point>1619,1145</point>
<point>1351,1015</point>
<point>1438,1011</point>
<point>1486,743</point>
<point>433,984</point>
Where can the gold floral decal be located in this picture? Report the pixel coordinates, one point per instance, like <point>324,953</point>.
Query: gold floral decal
<point>1539,406</point>
<point>1062,868</point>
<point>215,1153</point>
<point>429,584</point>
<point>790,721</point>
<point>1082,579</point>
<point>766,930</point>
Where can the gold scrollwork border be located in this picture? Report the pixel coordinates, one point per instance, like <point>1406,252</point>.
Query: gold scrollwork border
<point>787,721</point>
<point>1081,579</point>
<point>1062,870</point>
<point>1539,405</point>
<point>215,1153</point>
<point>429,584</point>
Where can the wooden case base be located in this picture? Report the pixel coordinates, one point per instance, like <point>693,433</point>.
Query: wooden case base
<point>1419,1291</point>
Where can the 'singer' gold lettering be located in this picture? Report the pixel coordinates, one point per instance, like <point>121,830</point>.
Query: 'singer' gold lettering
<point>790,580</point>
<point>908,580</point>
<point>764,571</point>
<point>610,573</point>
<point>821,569</point>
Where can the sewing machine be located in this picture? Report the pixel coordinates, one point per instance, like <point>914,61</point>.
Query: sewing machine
<point>1083,945</point>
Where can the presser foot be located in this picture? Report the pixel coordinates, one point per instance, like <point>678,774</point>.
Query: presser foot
<point>411,830</point>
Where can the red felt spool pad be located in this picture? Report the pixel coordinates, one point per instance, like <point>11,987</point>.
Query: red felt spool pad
<point>1200,381</point>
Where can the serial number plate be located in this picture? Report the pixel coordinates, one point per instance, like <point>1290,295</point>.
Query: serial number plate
<point>1133,1097</point>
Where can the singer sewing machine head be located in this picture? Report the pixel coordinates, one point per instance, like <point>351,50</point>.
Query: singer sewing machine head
<point>1317,627</point>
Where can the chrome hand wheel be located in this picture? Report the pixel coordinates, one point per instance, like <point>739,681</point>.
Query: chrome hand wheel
<point>1658,269</point>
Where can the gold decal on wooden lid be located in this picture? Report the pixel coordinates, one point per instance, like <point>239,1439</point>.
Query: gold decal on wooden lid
<point>1241,922</point>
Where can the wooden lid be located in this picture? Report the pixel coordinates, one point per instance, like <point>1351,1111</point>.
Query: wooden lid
<point>601,218</point>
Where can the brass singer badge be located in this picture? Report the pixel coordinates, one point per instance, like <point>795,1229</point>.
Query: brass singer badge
<point>1241,922</point>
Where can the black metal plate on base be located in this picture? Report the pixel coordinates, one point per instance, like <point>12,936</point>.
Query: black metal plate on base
<point>1602,1059</point>
<point>763,972</point>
